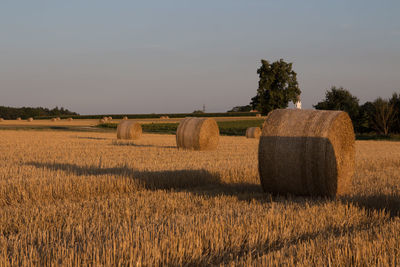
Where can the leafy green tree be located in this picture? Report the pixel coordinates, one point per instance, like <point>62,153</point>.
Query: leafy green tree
<point>341,99</point>
<point>365,118</point>
<point>277,86</point>
<point>395,101</point>
<point>384,116</point>
<point>246,108</point>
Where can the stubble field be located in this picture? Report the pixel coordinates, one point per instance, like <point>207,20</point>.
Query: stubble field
<point>69,198</point>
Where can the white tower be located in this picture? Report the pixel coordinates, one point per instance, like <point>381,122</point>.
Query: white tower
<point>298,104</point>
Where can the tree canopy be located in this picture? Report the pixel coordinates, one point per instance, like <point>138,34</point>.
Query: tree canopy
<point>277,86</point>
<point>10,113</point>
<point>340,99</point>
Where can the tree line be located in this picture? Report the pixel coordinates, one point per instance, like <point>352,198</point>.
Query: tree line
<point>381,116</point>
<point>11,113</point>
<point>278,86</point>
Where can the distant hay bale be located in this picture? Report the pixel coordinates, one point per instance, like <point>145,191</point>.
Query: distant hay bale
<point>197,134</point>
<point>19,118</point>
<point>54,119</point>
<point>258,115</point>
<point>253,132</point>
<point>109,118</point>
<point>30,119</point>
<point>130,130</point>
<point>105,118</point>
<point>58,118</point>
<point>102,121</point>
<point>164,117</point>
<point>125,118</point>
<point>307,152</point>
<point>1,119</point>
<point>70,119</point>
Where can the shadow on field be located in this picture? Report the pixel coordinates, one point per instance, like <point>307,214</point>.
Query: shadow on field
<point>90,138</point>
<point>376,202</point>
<point>200,182</point>
<point>259,249</point>
<point>138,145</point>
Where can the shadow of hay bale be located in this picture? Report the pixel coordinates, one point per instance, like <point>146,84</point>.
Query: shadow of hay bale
<point>129,143</point>
<point>200,182</point>
<point>389,203</point>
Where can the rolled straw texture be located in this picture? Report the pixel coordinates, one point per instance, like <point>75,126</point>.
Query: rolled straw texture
<point>197,134</point>
<point>130,130</point>
<point>253,132</point>
<point>307,152</point>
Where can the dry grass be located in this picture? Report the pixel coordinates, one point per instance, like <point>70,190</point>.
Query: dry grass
<point>88,199</point>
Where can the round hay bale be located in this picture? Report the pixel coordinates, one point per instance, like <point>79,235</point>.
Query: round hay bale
<point>105,118</point>
<point>54,119</point>
<point>102,121</point>
<point>307,152</point>
<point>125,118</point>
<point>130,130</point>
<point>1,119</point>
<point>19,118</point>
<point>30,119</point>
<point>109,118</point>
<point>258,115</point>
<point>70,119</point>
<point>197,134</point>
<point>58,119</point>
<point>253,132</point>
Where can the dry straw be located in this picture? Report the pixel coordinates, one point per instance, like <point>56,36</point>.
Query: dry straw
<point>129,130</point>
<point>253,132</point>
<point>30,119</point>
<point>307,152</point>
<point>197,134</point>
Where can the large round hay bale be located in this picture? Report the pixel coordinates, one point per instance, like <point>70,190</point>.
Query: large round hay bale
<point>253,132</point>
<point>109,118</point>
<point>30,119</point>
<point>197,134</point>
<point>306,152</point>
<point>58,119</point>
<point>125,118</point>
<point>54,119</point>
<point>70,119</point>
<point>102,121</point>
<point>258,115</point>
<point>129,130</point>
<point>19,118</point>
<point>1,119</point>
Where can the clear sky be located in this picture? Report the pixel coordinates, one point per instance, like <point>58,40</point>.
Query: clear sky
<point>98,56</point>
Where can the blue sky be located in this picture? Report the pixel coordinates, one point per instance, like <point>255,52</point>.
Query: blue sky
<point>174,56</point>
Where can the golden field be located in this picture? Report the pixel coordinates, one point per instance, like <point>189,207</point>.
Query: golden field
<point>94,122</point>
<point>85,198</point>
